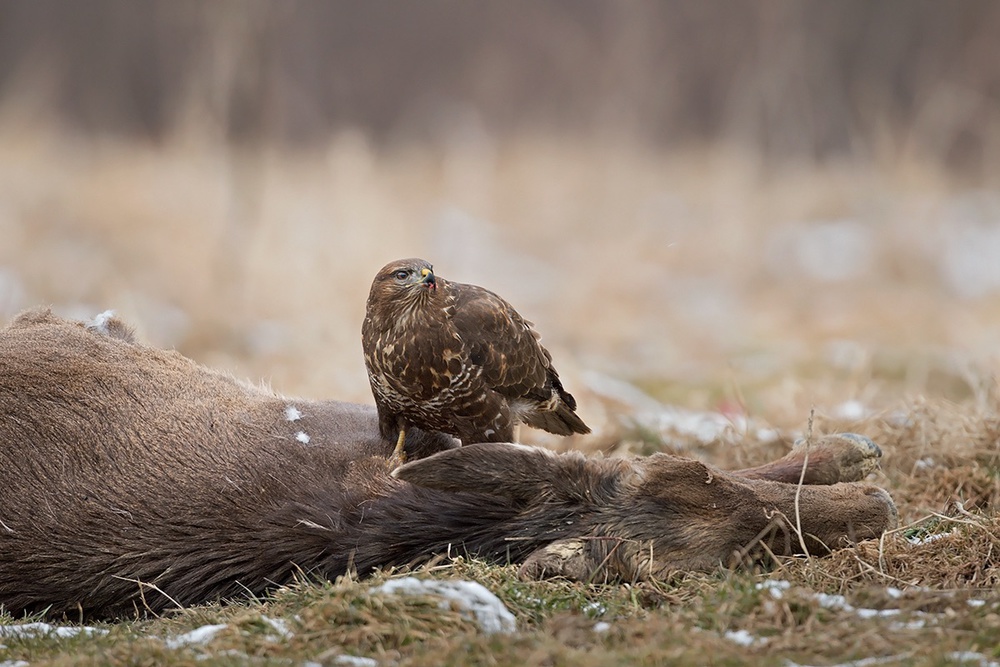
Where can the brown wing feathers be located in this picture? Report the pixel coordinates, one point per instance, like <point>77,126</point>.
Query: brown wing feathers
<point>458,358</point>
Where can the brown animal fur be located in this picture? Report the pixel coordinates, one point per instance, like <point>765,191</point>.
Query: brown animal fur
<point>132,479</point>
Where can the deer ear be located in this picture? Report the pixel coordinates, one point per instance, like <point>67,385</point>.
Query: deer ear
<point>516,472</point>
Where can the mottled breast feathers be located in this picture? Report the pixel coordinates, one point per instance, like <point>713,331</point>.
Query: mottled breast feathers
<point>457,358</point>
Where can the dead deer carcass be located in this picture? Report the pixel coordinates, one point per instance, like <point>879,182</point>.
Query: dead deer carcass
<point>133,479</point>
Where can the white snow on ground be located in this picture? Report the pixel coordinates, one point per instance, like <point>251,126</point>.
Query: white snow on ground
<point>201,635</point>
<point>14,663</point>
<point>973,657</point>
<point>280,626</point>
<point>925,539</point>
<point>743,638</point>
<point>776,587</point>
<point>864,662</point>
<point>471,597</point>
<point>27,630</point>
<point>840,603</point>
<point>919,621</point>
<point>601,626</point>
<point>355,661</point>
<point>665,420</point>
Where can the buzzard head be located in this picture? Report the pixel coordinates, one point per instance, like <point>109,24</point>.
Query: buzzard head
<point>406,282</point>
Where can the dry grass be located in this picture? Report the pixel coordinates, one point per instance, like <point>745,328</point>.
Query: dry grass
<point>695,277</point>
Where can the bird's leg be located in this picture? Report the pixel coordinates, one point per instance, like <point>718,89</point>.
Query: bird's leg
<point>399,453</point>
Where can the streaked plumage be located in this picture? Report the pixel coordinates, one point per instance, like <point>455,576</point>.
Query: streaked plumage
<point>457,358</point>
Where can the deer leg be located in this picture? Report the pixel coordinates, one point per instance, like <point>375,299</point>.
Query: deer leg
<point>841,457</point>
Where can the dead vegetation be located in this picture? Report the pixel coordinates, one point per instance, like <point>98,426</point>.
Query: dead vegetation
<point>689,301</point>
<point>900,358</point>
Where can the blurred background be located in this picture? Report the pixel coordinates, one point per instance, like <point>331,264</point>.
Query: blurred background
<point>744,208</point>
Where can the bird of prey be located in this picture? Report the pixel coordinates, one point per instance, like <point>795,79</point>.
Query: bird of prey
<point>455,358</point>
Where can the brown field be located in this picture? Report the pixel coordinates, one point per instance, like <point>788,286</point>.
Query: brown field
<point>700,301</point>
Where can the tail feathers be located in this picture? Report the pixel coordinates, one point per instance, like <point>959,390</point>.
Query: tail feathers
<point>561,421</point>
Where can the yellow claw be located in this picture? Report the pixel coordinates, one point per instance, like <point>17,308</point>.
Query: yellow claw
<point>399,453</point>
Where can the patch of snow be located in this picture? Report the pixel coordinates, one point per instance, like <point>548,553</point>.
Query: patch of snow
<point>302,437</point>
<point>893,592</point>
<point>201,635</point>
<point>864,662</point>
<point>27,630</point>
<point>280,626</point>
<point>594,609</point>
<point>975,603</point>
<point>601,627</point>
<point>926,539</point>
<point>834,602</point>
<point>865,613</point>
<point>840,603</point>
<point>645,411</point>
<point>355,661</point>
<point>972,656</point>
<point>743,638</point>
<point>15,663</point>
<point>471,597</point>
<point>292,413</point>
<point>776,587</point>
<point>924,463</point>
<point>915,624</point>
<point>705,427</point>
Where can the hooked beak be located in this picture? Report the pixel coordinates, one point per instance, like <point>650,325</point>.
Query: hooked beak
<point>428,278</point>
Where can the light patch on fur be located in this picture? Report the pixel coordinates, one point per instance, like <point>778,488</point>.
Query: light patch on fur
<point>530,448</point>
<point>302,437</point>
<point>292,413</point>
<point>311,524</point>
<point>100,323</point>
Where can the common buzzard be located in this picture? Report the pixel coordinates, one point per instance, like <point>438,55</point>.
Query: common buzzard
<point>455,358</point>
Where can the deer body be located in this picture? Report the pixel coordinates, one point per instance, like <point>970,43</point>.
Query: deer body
<point>133,479</point>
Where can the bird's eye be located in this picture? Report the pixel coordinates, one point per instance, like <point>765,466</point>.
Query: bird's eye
<point>402,275</point>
